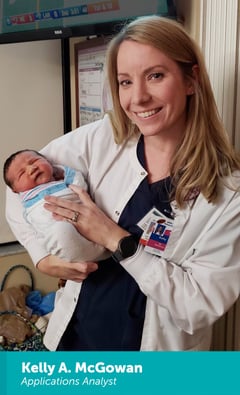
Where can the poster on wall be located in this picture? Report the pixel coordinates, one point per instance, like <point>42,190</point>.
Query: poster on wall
<point>92,98</point>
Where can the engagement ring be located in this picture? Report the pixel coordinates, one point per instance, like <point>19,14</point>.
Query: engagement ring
<point>75,216</point>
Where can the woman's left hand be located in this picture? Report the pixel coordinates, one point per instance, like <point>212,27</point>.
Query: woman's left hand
<point>88,219</point>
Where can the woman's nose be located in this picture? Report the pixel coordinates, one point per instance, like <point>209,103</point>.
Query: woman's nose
<point>140,93</point>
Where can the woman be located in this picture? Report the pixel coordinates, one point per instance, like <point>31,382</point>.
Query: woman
<point>161,156</point>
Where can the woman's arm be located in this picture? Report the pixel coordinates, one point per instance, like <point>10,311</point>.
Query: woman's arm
<point>56,267</point>
<point>200,288</point>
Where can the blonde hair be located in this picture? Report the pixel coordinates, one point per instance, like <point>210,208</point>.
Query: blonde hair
<point>205,154</point>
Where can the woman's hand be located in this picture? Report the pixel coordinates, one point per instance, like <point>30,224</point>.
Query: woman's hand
<point>75,271</point>
<point>87,218</point>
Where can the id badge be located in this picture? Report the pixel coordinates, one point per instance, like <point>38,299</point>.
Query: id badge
<point>156,231</point>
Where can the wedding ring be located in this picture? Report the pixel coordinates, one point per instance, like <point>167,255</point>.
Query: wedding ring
<point>75,216</point>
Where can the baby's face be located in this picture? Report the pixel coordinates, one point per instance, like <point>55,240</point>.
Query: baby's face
<point>28,170</point>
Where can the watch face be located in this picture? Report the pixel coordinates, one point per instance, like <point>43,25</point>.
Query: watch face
<point>128,246</point>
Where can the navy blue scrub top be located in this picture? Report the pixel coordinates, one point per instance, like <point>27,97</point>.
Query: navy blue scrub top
<point>110,312</point>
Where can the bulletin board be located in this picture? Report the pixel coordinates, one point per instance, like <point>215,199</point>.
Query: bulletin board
<point>92,98</point>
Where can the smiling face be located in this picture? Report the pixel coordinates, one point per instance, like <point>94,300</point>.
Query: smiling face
<point>28,170</point>
<point>152,90</point>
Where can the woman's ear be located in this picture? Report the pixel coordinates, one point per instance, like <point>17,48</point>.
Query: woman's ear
<point>193,81</point>
<point>195,72</point>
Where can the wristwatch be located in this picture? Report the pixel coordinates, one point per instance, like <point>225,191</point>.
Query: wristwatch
<point>127,247</point>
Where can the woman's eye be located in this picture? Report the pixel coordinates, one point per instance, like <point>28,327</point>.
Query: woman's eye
<point>156,76</point>
<point>124,82</point>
